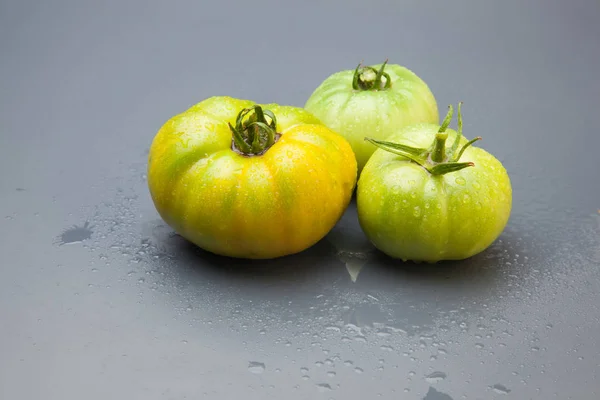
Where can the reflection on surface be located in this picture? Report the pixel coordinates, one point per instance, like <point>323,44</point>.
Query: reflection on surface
<point>433,394</point>
<point>342,310</point>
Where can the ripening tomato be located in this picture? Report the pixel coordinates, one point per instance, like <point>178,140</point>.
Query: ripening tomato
<point>420,199</point>
<point>372,101</point>
<point>250,181</point>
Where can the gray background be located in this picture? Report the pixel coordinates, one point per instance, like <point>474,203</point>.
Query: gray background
<point>99,299</point>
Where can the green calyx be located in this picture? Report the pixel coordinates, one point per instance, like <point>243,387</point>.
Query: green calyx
<point>253,134</point>
<point>436,159</point>
<point>369,78</point>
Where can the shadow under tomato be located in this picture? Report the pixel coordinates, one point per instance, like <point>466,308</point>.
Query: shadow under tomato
<point>305,269</point>
<point>480,277</point>
<point>414,297</point>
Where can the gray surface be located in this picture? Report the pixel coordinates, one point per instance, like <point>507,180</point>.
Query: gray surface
<point>121,308</point>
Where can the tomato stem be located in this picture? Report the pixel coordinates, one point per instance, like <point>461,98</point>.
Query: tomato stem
<point>444,168</point>
<point>253,134</point>
<point>462,150</point>
<point>368,78</point>
<point>458,131</point>
<point>434,159</point>
<point>438,154</point>
<point>447,119</point>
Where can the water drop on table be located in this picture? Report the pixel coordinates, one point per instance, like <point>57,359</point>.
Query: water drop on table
<point>500,389</point>
<point>256,367</point>
<point>436,377</point>
<point>323,387</point>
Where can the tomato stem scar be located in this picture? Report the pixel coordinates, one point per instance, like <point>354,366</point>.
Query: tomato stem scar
<point>369,78</point>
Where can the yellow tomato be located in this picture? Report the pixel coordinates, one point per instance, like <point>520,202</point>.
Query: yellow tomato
<point>251,181</point>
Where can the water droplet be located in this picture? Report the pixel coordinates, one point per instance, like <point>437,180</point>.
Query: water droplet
<point>359,370</point>
<point>348,363</point>
<point>318,364</point>
<point>386,347</point>
<point>323,387</point>
<point>329,362</point>
<point>460,181</point>
<point>304,370</point>
<point>412,373</point>
<point>256,367</point>
<point>466,198</point>
<point>436,376</point>
<point>305,377</point>
<point>479,345</point>
<point>76,234</point>
<point>331,374</point>
<point>500,389</point>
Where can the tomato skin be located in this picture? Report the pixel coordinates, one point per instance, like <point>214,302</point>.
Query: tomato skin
<point>374,113</point>
<point>262,206</point>
<point>410,214</point>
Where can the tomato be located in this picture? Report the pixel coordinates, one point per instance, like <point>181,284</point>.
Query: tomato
<point>250,181</point>
<point>372,101</point>
<point>421,199</point>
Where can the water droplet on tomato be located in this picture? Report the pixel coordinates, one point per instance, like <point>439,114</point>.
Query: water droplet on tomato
<point>476,185</point>
<point>411,182</point>
<point>417,211</point>
<point>466,198</point>
<point>460,181</point>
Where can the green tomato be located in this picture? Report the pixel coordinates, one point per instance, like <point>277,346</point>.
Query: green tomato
<point>372,101</point>
<point>421,199</point>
